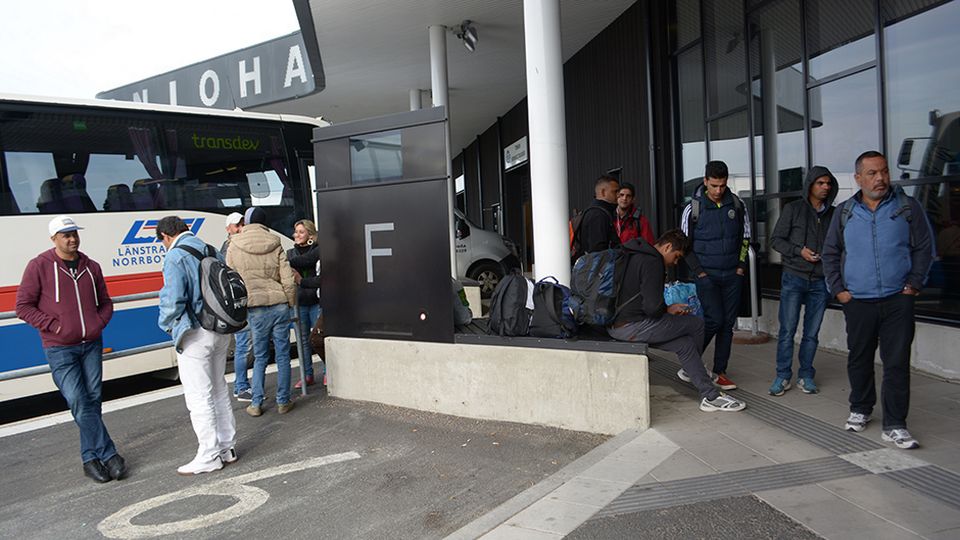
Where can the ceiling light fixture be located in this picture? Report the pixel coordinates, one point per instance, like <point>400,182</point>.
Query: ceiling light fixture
<point>467,32</point>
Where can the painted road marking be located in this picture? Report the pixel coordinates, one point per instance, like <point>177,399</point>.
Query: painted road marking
<point>33,424</point>
<point>249,498</point>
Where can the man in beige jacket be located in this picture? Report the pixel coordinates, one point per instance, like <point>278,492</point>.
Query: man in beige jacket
<point>256,254</point>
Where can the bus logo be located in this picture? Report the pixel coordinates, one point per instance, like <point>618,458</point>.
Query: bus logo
<point>144,231</point>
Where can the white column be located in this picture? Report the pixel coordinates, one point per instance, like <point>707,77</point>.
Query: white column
<point>548,138</point>
<point>438,65</point>
<point>415,102</point>
<point>438,83</point>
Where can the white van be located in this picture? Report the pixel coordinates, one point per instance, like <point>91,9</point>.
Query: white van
<point>482,255</point>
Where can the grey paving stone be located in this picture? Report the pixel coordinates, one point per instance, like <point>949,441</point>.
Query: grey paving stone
<point>734,518</point>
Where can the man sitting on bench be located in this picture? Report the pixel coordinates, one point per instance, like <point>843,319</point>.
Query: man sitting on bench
<point>645,317</point>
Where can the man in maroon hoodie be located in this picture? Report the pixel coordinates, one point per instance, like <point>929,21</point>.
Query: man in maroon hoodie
<point>63,295</point>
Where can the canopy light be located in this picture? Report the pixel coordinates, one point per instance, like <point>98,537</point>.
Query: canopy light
<point>468,34</point>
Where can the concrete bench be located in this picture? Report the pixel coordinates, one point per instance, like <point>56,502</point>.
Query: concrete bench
<point>592,384</point>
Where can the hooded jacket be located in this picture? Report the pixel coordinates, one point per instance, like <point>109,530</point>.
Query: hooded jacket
<point>800,225</point>
<point>255,253</point>
<point>66,309</point>
<point>644,273</point>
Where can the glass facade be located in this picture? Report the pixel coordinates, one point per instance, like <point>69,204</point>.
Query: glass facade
<point>774,87</point>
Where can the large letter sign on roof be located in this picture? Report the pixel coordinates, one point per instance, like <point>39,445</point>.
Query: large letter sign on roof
<point>272,71</point>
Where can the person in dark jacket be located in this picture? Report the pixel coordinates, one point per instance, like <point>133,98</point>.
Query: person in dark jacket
<point>597,231</point>
<point>875,264</point>
<point>645,317</point>
<point>64,296</point>
<point>799,236</point>
<point>304,258</point>
<point>717,223</point>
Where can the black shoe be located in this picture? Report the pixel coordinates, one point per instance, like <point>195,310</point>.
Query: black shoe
<point>116,467</point>
<point>95,469</point>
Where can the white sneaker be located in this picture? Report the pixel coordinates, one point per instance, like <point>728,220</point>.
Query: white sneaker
<point>228,455</point>
<point>682,375</point>
<point>900,437</point>
<point>722,403</point>
<point>857,422</point>
<point>198,466</point>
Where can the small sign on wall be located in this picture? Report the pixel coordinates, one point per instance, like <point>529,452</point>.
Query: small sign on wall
<point>515,154</point>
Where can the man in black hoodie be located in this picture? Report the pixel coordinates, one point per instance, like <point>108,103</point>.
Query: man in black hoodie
<point>799,236</point>
<point>645,317</point>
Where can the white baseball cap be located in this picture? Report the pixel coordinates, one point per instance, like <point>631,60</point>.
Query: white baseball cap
<point>234,218</point>
<point>62,224</point>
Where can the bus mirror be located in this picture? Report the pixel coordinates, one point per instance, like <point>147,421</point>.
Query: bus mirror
<point>259,185</point>
<point>906,150</point>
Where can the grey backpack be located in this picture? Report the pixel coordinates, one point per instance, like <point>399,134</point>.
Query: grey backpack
<point>223,292</point>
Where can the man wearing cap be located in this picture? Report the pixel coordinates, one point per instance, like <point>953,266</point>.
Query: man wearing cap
<point>241,384</point>
<point>234,225</point>
<point>64,296</point>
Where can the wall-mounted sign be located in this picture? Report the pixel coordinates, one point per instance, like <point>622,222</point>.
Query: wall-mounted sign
<point>515,154</point>
<point>272,71</point>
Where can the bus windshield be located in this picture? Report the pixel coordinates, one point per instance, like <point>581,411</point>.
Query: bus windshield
<point>77,162</point>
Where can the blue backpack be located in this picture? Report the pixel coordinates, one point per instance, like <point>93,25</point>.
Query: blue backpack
<point>596,279</point>
<point>555,310</point>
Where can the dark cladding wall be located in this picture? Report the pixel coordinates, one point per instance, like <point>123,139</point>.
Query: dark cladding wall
<point>608,124</point>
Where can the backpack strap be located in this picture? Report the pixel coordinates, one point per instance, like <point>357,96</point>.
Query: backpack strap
<point>192,251</point>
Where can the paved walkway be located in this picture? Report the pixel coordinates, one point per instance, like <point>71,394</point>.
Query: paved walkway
<point>782,468</point>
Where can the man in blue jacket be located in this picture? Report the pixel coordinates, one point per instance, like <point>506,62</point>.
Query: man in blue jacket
<point>876,258</point>
<point>201,354</point>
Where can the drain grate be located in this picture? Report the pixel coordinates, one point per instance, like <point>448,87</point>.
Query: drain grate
<point>655,495</point>
<point>932,481</point>
<point>817,432</point>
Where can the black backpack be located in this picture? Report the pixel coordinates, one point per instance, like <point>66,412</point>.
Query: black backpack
<point>223,292</point>
<point>555,310</point>
<point>511,306</point>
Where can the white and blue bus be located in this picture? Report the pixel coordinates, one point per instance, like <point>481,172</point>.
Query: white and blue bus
<point>117,168</point>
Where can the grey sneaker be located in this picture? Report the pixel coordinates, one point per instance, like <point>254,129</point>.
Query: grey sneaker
<point>900,437</point>
<point>722,403</point>
<point>857,422</point>
<point>245,395</point>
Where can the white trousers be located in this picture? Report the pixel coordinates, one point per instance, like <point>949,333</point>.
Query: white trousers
<point>202,365</point>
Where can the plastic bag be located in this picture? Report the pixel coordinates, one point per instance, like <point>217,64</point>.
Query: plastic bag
<point>679,292</point>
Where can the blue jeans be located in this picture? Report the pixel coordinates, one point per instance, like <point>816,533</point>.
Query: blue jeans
<point>266,323</point>
<point>308,318</point>
<point>240,350</point>
<point>796,291</point>
<point>77,371</point>
<point>720,297</point>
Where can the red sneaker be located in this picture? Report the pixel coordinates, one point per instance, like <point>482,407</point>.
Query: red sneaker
<point>724,383</point>
<point>299,384</point>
